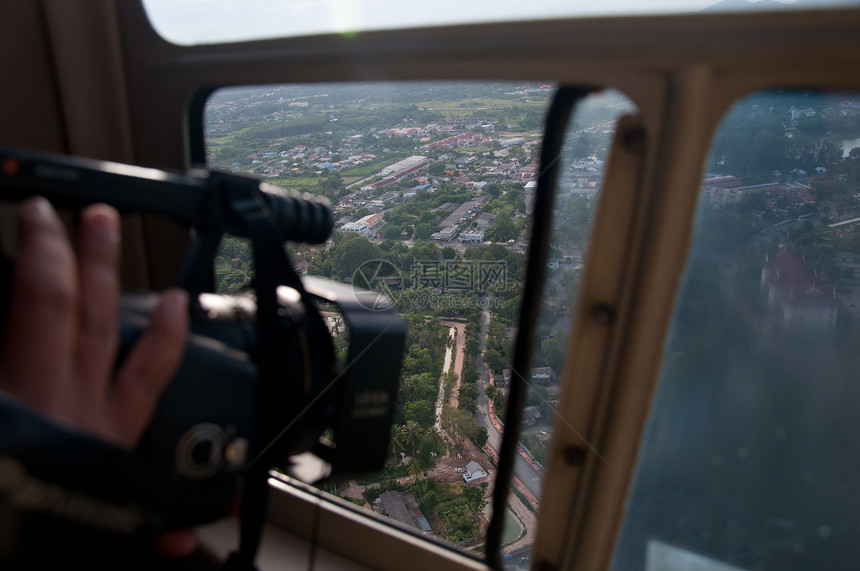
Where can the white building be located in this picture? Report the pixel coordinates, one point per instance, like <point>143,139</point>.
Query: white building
<point>447,233</point>
<point>405,164</point>
<point>474,472</point>
<point>367,226</point>
<point>472,237</point>
<point>512,142</point>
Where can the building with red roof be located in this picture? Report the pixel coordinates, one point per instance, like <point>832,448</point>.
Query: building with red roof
<point>806,300</point>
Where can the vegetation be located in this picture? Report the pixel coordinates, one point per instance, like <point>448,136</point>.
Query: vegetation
<point>461,517</point>
<point>461,424</point>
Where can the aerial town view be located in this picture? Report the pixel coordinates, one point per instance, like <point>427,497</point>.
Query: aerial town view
<point>433,186</point>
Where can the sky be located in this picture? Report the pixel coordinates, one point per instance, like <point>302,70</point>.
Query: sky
<point>207,21</point>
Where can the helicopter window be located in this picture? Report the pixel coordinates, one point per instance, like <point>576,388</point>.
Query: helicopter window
<point>433,186</point>
<point>191,22</point>
<point>743,461</point>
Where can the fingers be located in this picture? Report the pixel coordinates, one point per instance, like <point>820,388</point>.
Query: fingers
<point>98,257</point>
<point>37,349</point>
<point>151,364</point>
<point>179,543</point>
<point>61,337</point>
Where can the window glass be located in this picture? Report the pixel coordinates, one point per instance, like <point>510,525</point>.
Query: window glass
<point>583,160</point>
<point>428,185</point>
<point>749,459</point>
<point>214,21</point>
<point>433,185</point>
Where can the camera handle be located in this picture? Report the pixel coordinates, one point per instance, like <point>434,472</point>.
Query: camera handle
<point>240,202</point>
<point>188,199</point>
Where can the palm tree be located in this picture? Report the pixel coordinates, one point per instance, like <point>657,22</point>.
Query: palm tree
<point>411,433</point>
<point>410,388</point>
<point>404,391</point>
<point>396,442</point>
<point>419,487</point>
<point>415,470</point>
<point>433,435</point>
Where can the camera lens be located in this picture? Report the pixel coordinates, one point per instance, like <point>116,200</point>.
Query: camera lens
<point>200,452</point>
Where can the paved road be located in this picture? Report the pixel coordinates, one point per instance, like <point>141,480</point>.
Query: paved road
<point>522,469</point>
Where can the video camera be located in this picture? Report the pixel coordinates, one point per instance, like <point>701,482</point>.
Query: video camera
<point>259,387</point>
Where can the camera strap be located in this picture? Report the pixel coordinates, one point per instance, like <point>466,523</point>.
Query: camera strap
<point>271,269</point>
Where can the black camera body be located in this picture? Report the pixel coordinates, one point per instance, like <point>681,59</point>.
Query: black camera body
<point>259,387</point>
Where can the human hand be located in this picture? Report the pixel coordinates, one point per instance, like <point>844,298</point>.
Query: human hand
<point>61,338</point>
